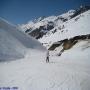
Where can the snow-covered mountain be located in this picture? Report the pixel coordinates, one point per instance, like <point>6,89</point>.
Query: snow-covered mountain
<point>14,43</point>
<point>70,71</point>
<point>49,30</point>
<point>42,25</point>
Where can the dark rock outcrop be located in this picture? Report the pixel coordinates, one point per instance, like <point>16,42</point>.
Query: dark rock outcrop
<point>82,9</point>
<point>68,43</point>
<point>42,30</point>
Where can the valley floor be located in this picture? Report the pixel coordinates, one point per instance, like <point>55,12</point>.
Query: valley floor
<point>71,71</point>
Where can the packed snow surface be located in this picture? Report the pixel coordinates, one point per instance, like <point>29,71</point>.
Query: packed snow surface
<point>71,71</point>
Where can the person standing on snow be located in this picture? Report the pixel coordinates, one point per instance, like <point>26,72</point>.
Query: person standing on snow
<point>47,56</point>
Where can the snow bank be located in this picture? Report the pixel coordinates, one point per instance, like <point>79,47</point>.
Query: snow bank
<point>14,43</point>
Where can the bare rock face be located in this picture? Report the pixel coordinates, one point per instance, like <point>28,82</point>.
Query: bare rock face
<point>69,43</point>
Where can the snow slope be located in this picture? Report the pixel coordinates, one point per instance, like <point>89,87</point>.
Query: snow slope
<point>14,43</point>
<point>71,71</point>
<point>71,28</point>
<point>49,30</point>
<point>44,21</point>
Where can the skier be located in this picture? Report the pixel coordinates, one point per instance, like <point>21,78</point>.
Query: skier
<point>47,57</point>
